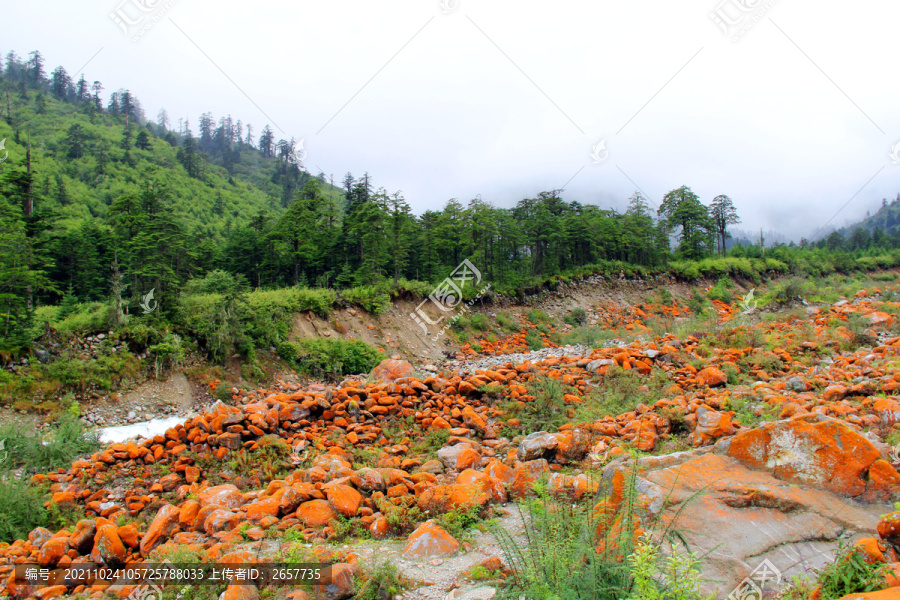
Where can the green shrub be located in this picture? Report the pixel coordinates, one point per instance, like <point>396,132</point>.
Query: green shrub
<point>289,350</point>
<point>141,332</point>
<point>507,323</point>
<point>105,371</point>
<point>697,303</point>
<point>850,574</point>
<point>721,291</point>
<point>592,336</point>
<point>533,339</point>
<point>332,358</point>
<point>538,317</point>
<point>167,354</point>
<point>379,581</point>
<point>217,282</point>
<point>21,509</point>
<point>220,323</point>
<point>788,291</point>
<point>68,439</point>
<point>87,318</point>
<point>560,560</point>
<point>576,317</point>
<point>547,410</point>
<point>620,393</point>
<point>480,322</point>
<point>676,578</point>
<point>372,299</point>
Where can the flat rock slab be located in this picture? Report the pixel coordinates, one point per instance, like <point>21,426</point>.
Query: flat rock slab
<point>736,518</point>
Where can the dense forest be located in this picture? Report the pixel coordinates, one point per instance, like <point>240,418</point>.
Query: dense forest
<point>97,201</point>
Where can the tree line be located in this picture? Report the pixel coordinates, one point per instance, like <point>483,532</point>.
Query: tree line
<point>276,225</point>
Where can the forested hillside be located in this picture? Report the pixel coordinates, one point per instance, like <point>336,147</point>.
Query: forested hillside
<point>885,222</point>
<point>99,203</point>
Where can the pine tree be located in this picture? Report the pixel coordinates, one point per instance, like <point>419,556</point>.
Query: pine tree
<point>723,214</point>
<point>681,208</point>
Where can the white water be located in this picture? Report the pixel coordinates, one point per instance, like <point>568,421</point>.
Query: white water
<point>146,429</point>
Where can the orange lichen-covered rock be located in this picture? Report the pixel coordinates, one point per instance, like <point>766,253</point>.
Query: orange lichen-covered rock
<point>52,551</point>
<point>260,509</point>
<point>889,528</point>
<point>536,444</point>
<point>379,528</point>
<point>390,370</point>
<point>53,591</point>
<point>834,393</point>
<point>220,519</point>
<point>497,469</point>
<point>711,424</point>
<point>430,540</point>
<point>712,377</point>
<point>237,591</point>
<point>109,545</point>
<point>491,486</point>
<point>83,539</point>
<point>163,524</point>
<point>871,549</point>
<point>130,535</point>
<point>339,583</point>
<point>316,513</point>
<point>442,498</point>
<point>888,410</point>
<point>809,449</point>
<point>187,515</point>
<point>467,459</point>
<point>473,419</point>
<point>526,475</point>
<point>224,496</point>
<point>883,482</point>
<point>345,499</point>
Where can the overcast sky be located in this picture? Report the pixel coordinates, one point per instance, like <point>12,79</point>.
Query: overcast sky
<point>790,112</point>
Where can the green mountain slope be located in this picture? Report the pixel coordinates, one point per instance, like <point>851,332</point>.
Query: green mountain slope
<point>887,219</point>
<point>82,163</point>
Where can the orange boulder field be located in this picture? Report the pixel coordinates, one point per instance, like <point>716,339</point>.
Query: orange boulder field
<point>828,412</point>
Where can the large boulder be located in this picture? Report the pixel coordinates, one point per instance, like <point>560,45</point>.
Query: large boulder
<point>818,451</point>
<point>735,517</point>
